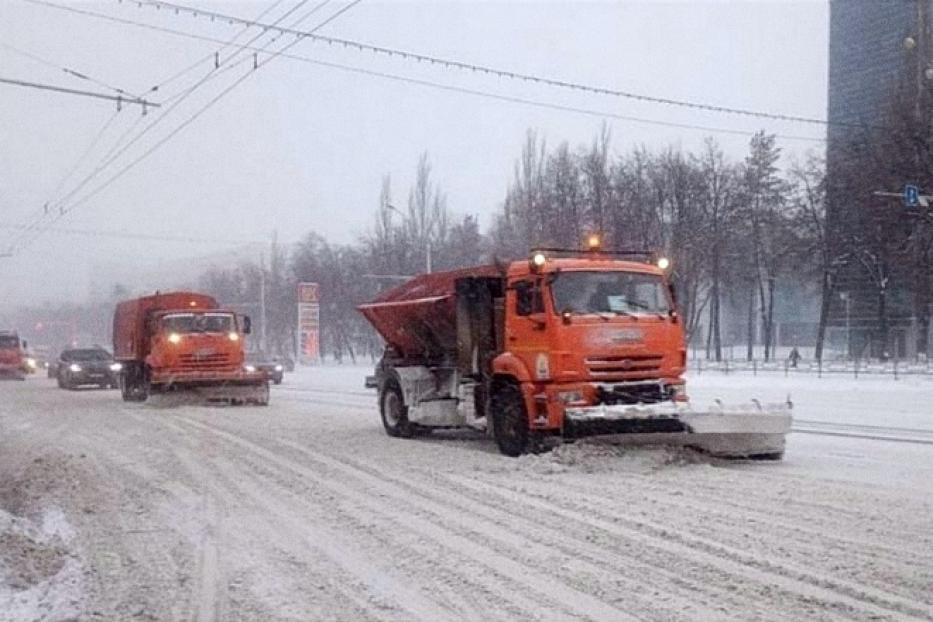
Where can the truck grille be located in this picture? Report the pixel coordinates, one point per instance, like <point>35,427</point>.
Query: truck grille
<point>220,360</point>
<point>630,367</point>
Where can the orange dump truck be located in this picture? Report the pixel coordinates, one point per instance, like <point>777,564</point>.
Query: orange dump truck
<point>13,361</point>
<point>564,344</point>
<point>184,341</point>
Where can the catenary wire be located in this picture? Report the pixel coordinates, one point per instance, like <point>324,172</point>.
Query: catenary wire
<point>501,73</point>
<point>183,125</point>
<point>433,84</point>
<point>119,149</point>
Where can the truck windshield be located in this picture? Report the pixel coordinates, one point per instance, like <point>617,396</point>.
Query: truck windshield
<point>199,323</point>
<point>8,341</point>
<point>624,293</point>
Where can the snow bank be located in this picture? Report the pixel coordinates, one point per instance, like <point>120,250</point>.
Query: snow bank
<point>40,578</point>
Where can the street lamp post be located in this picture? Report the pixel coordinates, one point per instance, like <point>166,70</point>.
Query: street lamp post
<point>845,298</point>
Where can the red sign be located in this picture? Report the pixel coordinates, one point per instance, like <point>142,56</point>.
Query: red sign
<point>308,292</point>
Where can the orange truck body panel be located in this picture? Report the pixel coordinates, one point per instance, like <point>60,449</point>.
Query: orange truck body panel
<point>208,358</point>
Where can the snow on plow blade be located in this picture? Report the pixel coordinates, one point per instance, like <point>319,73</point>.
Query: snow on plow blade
<point>205,386</point>
<point>743,431</point>
<point>234,393</point>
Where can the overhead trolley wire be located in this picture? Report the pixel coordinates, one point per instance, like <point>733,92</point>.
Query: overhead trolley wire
<point>67,70</point>
<point>494,71</point>
<point>438,85</point>
<point>119,147</point>
<point>189,120</point>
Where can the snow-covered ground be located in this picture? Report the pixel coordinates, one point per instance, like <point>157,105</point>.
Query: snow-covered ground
<point>306,510</point>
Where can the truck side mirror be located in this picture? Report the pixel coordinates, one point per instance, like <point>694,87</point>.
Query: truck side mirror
<point>25,345</point>
<point>247,325</point>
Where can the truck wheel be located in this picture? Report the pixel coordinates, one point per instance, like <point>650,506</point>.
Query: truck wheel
<point>509,419</point>
<point>134,386</point>
<point>394,412</point>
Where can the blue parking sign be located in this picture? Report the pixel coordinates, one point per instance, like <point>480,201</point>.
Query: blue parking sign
<point>911,195</point>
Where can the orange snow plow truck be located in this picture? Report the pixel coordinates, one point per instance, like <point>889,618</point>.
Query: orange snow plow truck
<point>13,361</point>
<point>183,341</point>
<point>562,345</point>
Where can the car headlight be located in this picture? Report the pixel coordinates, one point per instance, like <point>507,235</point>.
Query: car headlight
<point>279,368</point>
<point>116,367</point>
<point>74,367</point>
<point>250,368</point>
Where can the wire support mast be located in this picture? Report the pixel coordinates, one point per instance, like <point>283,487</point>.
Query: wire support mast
<point>120,99</point>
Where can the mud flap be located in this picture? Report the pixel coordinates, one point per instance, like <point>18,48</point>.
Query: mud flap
<point>741,431</point>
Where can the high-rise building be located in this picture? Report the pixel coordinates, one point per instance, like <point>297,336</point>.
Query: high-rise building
<point>878,50</point>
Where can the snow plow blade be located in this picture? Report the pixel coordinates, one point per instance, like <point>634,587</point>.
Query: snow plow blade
<point>743,431</point>
<point>234,393</point>
<point>228,393</point>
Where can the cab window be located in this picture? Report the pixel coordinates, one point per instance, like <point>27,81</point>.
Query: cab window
<point>528,298</point>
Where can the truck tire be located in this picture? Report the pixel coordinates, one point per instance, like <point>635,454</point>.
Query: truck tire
<point>509,419</point>
<point>393,411</point>
<point>134,385</point>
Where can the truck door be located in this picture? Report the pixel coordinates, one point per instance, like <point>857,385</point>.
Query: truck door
<point>526,331</point>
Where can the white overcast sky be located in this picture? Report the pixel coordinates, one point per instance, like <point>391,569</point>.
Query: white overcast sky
<point>299,147</point>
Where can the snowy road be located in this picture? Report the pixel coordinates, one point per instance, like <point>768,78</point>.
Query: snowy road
<point>305,510</point>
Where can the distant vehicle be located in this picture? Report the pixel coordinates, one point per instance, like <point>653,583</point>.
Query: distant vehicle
<point>271,366</point>
<point>184,341</point>
<point>13,359</point>
<point>87,366</point>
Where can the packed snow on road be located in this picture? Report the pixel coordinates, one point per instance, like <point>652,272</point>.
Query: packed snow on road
<point>306,510</point>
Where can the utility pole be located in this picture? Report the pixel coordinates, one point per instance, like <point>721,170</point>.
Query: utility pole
<point>262,302</point>
<point>845,298</point>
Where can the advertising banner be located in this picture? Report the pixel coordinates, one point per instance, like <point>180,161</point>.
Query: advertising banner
<point>309,324</point>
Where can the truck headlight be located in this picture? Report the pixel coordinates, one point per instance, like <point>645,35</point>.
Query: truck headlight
<point>31,363</point>
<point>279,368</point>
<point>116,367</point>
<point>74,367</point>
<point>570,397</point>
<point>233,336</point>
<point>174,338</point>
<point>250,368</point>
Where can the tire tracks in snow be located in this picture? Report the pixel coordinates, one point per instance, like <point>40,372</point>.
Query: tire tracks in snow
<point>870,602</point>
<point>847,591</point>
<point>366,572</point>
<point>239,484</point>
<point>549,595</point>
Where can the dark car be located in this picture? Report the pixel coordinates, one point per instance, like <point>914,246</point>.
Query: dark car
<point>274,369</point>
<point>87,366</point>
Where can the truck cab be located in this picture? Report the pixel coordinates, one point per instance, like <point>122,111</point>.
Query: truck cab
<point>194,341</point>
<point>589,330</point>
